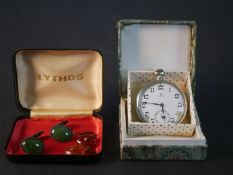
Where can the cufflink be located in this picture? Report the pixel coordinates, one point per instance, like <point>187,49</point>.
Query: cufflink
<point>33,145</point>
<point>61,133</point>
<point>87,143</point>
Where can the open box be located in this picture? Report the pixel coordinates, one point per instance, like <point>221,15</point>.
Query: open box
<point>53,86</point>
<point>143,46</point>
<point>139,79</point>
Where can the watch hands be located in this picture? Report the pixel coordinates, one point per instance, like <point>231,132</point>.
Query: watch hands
<point>154,103</point>
<point>159,104</point>
<point>163,117</point>
<point>162,106</point>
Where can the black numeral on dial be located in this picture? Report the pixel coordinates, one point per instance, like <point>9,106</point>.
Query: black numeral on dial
<point>177,96</point>
<point>180,104</point>
<point>152,89</point>
<point>146,116</point>
<point>172,120</point>
<point>160,87</point>
<point>143,104</point>
<point>146,96</point>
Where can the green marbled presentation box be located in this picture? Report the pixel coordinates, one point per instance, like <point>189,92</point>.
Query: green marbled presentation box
<point>149,45</point>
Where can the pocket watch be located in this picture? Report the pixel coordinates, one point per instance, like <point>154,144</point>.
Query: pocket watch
<point>161,102</point>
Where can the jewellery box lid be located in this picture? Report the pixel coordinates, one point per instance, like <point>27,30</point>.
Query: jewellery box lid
<point>153,44</point>
<point>59,81</point>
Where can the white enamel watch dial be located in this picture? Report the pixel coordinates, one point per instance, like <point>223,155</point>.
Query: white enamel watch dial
<point>161,102</point>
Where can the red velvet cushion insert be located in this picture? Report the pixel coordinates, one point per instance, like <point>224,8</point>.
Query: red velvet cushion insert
<point>27,127</point>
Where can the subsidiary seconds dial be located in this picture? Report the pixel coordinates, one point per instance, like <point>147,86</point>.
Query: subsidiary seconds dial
<point>161,102</point>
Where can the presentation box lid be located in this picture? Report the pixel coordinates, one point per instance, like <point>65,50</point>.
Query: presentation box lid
<point>154,44</point>
<point>59,82</point>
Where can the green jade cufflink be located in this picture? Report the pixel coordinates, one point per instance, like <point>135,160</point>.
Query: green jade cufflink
<point>33,145</point>
<point>61,133</point>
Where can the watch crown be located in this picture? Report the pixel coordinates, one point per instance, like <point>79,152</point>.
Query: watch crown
<point>159,73</point>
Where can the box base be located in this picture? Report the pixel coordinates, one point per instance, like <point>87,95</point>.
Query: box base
<point>54,151</point>
<point>163,153</point>
<point>159,148</point>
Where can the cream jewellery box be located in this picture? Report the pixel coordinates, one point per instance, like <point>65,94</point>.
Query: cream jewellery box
<point>53,86</point>
<point>143,47</point>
